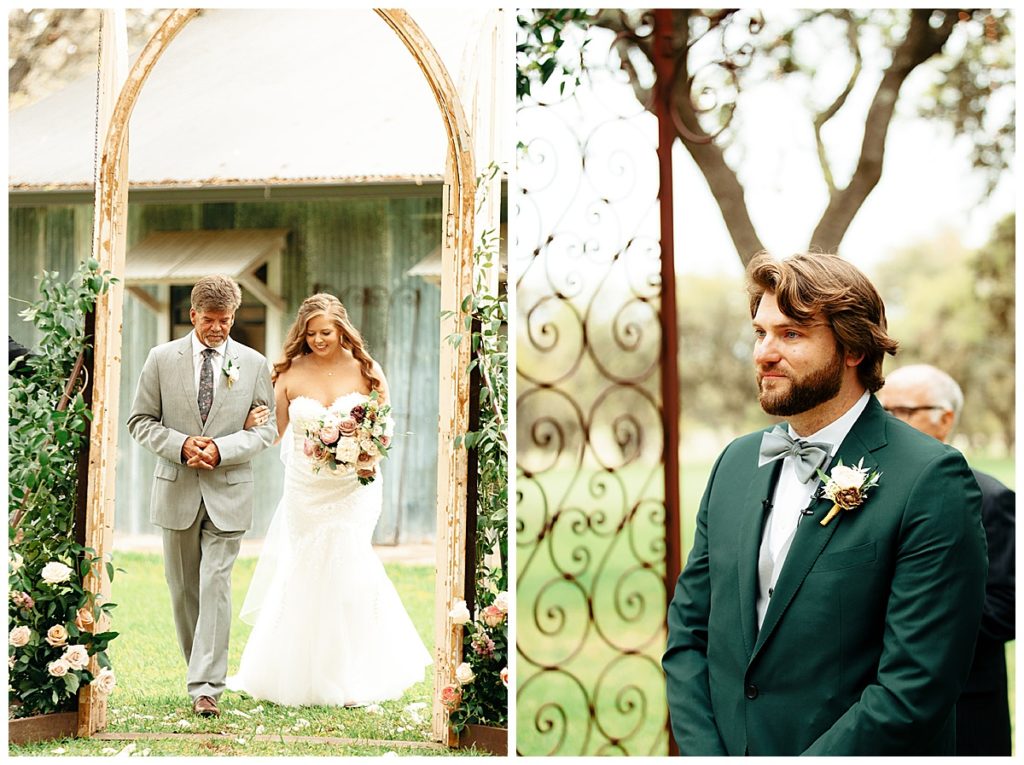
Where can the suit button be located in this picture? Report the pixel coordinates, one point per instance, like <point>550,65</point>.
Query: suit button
<point>750,691</point>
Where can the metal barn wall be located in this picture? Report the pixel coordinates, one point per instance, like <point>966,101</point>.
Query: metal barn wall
<point>357,248</point>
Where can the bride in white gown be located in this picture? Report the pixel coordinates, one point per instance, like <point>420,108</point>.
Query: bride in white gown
<point>329,627</point>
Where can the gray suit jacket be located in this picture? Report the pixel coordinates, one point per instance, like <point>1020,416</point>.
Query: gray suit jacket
<point>166,412</point>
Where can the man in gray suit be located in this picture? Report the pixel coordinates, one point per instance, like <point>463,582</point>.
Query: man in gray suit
<point>190,410</point>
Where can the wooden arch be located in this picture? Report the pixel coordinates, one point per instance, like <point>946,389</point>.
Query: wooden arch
<point>109,248</point>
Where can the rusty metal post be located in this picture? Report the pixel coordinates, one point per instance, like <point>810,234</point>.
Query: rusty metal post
<point>664,66</point>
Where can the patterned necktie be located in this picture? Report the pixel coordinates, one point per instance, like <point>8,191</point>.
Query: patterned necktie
<point>206,384</point>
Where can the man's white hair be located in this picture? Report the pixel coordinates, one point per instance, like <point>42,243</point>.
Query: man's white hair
<point>944,389</point>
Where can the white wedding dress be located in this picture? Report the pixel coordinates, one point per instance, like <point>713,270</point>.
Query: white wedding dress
<point>329,627</point>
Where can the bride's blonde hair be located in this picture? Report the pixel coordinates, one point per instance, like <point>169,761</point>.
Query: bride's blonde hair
<point>295,344</point>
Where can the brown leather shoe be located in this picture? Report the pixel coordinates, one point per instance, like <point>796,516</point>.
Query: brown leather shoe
<point>206,706</point>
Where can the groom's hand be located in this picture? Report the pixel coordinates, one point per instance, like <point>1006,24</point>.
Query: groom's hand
<point>201,453</point>
<point>191,448</point>
<point>210,454</point>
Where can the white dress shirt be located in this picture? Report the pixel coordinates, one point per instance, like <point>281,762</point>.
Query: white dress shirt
<point>791,497</point>
<point>217,360</point>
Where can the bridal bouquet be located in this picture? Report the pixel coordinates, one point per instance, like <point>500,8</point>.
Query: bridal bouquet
<point>354,440</point>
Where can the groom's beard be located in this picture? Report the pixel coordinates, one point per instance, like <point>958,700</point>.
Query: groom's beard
<point>803,394</point>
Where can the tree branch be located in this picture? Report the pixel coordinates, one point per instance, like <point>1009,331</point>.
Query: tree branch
<point>922,41</point>
<point>710,158</point>
<point>824,116</point>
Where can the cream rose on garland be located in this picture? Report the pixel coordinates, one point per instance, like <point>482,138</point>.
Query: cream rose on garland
<point>492,616</point>
<point>19,637</point>
<point>57,635</point>
<point>460,612</point>
<point>55,572</point>
<point>464,674</point>
<point>58,668</point>
<point>105,681</point>
<point>847,487</point>
<point>77,656</point>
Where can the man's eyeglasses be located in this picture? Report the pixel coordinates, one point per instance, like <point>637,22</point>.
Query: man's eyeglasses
<point>906,411</point>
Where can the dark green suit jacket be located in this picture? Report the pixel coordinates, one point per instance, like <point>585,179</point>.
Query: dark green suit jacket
<point>869,634</point>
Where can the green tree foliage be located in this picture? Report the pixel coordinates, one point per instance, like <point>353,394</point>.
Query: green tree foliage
<point>716,372</point>
<point>954,308</point>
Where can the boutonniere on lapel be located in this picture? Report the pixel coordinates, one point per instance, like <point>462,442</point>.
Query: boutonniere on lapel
<point>230,371</point>
<point>847,487</point>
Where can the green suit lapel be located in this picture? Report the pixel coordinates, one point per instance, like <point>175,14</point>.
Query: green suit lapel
<point>751,527</point>
<point>866,436</point>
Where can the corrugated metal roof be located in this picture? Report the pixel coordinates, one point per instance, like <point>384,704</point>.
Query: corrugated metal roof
<point>182,257</point>
<point>260,96</point>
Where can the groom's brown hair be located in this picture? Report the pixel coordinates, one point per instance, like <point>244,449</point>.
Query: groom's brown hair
<point>807,283</point>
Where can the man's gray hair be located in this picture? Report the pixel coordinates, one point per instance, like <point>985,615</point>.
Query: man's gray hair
<point>216,293</point>
<point>944,389</point>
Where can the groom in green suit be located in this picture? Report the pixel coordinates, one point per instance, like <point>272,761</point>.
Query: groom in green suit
<point>826,625</point>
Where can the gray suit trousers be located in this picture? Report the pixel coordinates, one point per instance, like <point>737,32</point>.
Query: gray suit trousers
<point>197,564</point>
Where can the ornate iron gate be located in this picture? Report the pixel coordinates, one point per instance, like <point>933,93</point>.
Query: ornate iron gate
<point>594,544</point>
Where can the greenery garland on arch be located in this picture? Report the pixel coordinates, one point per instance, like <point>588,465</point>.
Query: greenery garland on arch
<point>480,693</point>
<point>56,625</point>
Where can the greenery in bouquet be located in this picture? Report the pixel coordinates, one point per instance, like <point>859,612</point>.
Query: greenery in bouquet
<point>56,625</point>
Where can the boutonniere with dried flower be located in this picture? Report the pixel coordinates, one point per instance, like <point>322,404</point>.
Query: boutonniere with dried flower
<point>230,372</point>
<point>847,487</point>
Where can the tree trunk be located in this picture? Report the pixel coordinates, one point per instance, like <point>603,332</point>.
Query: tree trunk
<point>921,43</point>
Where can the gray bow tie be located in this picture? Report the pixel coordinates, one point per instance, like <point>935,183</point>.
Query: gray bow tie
<point>810,455</point>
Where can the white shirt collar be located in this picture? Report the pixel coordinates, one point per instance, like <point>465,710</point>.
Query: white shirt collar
<point>198,347</point>
<point>837,430</point>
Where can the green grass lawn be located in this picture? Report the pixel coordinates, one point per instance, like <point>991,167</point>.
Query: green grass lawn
<point>576,709</point>
<point>150,694</point>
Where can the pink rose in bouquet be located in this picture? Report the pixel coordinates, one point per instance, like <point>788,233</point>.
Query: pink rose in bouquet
<point>350,442</point>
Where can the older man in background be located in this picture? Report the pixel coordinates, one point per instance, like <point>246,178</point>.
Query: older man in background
<point>931,401</point>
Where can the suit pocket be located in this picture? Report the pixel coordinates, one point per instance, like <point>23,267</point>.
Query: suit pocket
<point>239,475</point>
<point>166,472</point>
<point>840,559</point>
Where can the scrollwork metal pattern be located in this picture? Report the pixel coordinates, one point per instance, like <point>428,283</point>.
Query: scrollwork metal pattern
<point>590,511</point>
